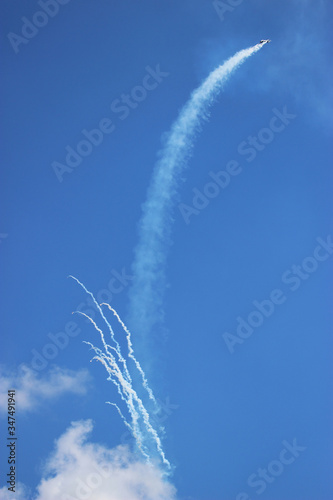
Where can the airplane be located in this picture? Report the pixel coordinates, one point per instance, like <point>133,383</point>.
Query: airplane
<point>264,41</point>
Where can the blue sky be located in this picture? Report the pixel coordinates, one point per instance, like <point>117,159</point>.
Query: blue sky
<point>230,404</point>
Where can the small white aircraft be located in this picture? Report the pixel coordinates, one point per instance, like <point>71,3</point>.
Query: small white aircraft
<point>264,41</point>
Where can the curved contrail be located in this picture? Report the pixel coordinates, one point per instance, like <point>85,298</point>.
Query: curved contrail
<point>150,255</point>
<point>146,294</point>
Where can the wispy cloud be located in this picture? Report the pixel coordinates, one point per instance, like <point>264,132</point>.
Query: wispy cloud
<point>80,469</point>
<point>32,389</point>
<point>300,64</point>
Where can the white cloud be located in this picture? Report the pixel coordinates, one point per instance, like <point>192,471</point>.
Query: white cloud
<point>81,470</point>
<point>31,389</point>
<point>21,493</point>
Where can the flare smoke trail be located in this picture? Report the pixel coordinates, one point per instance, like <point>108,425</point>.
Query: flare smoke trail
<point>118,372</point>
<point>131,353</point>
<point>145,308</point>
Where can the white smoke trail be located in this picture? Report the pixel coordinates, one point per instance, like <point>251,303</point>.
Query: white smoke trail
<point>131,353</point>
<point>128,395</point>
<point>145,308</point>
<point>99,310</point>
<point>141,427</point>
<point>123,387</point>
